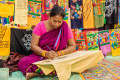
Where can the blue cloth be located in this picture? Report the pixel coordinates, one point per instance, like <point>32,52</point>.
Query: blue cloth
<point>76,14</point>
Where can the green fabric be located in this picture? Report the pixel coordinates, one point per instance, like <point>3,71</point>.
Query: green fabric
<point>7,20</point>
<point>38,71</point>
<point>99,19</point>
<point>104,20</point>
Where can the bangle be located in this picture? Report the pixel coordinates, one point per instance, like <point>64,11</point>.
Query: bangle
<point>44,53</point>
<point>59,53</point>
<point>62,52</point>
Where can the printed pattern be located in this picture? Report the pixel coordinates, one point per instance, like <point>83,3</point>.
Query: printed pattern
<point>98,73</point>
<point>115,41</point>
<point>92,40</point>
<point>34,7</point>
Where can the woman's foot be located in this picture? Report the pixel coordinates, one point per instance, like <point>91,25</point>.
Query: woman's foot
<point>30,75</point>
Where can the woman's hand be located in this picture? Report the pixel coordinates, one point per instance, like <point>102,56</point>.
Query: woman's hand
<point>51,54</point>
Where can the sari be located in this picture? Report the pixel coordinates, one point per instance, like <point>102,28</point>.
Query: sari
<point>56,39</point>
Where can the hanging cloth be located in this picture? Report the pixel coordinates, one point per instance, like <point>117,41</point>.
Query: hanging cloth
<point>47,5</point>
<point>104,41</point>
<point>76,14</point>
<point>99,13</point>
<point>111,12</point>
<point>88,17</point>
<point>5,41</point>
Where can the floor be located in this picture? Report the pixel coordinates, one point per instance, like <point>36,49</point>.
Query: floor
<point>107,69</point>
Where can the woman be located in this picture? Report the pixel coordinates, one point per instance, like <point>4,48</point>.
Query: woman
<point>50,39</point>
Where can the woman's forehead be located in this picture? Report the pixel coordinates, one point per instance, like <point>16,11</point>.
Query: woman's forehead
<point>58,18</point>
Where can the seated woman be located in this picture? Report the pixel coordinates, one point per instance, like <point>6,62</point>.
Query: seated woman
<point>51,38</point>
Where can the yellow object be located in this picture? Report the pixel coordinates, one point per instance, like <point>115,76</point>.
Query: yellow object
<point>59,53</point>
<point>116,25</point>
<point>4,41</point>
<point>62,52</point>
<point>32,21</point>
<point>0,25</point>
<point>77,61</point>
<point>88,17</point>
<point>6,10</point>
<point>82,76</point>
<point>115,41</point>
<point>34,16</point>
<point>23,27</point>
<point>43,53</point>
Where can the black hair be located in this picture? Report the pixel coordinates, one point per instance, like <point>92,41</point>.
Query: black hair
<point>57,10</point>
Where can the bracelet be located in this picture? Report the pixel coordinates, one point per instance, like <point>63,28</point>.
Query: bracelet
<point>62,52</point>
<point>44,53</point>
<point>59,53</point>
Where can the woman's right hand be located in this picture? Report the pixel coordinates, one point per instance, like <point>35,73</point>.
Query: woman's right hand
<point>51,54</point>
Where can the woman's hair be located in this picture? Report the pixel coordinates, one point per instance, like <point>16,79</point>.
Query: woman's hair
<point>57,10</point>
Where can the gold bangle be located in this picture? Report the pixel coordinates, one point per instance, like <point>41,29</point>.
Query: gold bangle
<point>62,52</point>
<point>44,53</point>
<point>58,53</point>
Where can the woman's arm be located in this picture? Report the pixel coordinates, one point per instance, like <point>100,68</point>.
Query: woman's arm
<point>37,50</point>
<point>70,46</point>
<point>34,44</point>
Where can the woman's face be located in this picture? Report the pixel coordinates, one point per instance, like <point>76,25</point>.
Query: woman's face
<point>56,21</point>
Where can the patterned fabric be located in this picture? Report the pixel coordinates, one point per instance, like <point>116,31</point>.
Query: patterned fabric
<point>98,73</point>
<point>106,70</point>
<point>21,41</point>
<point>112,67</point>
<point>99,13</point>
<point>115,41</point>
<point>46,7</point>
<point>6,9</point>
<point>76,14</point>
<point>92,40</point>
<point>104,41</point>
<point>4,41</point>
<point>111,11</point>
<point>34,16</point>
<point>64,5</point>
<point>12,61</point>
<point>88,16</point>
<point>80,39</point>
